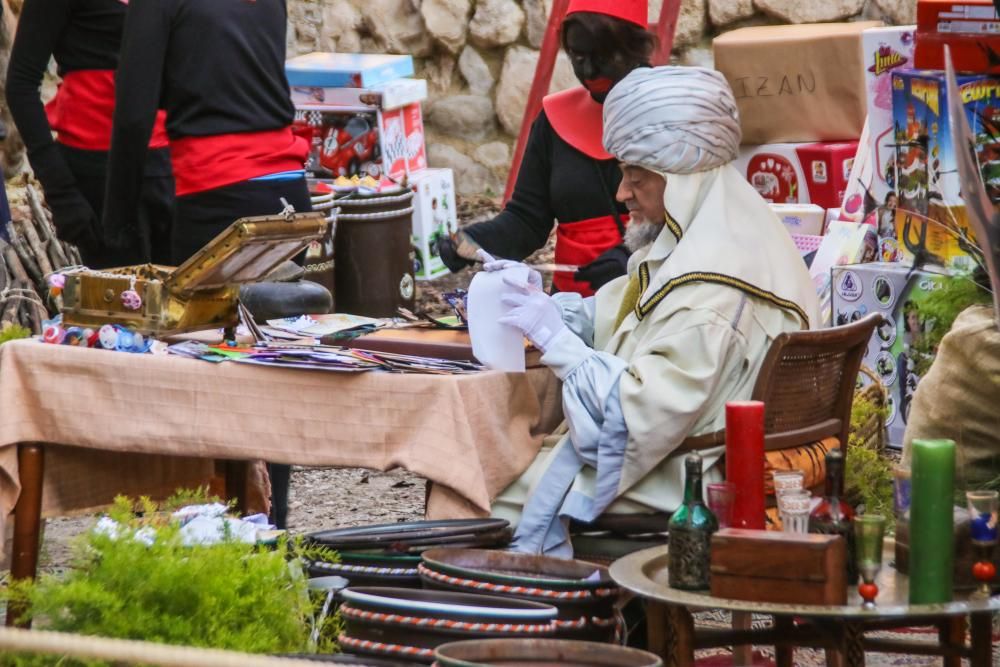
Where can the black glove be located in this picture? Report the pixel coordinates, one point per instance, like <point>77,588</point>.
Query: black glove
<point>74,219</point>
<point>449,255</point>
<point>610,265</point>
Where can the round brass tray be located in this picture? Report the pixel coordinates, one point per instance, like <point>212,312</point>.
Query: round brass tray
<point>645,573</point>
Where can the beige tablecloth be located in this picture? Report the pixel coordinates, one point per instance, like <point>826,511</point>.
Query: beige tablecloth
<point>146,424</point>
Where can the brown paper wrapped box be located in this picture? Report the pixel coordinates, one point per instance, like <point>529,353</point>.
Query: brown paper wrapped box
<point>796,83</point>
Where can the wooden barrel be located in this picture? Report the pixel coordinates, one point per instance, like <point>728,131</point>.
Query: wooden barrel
<point>583,592</point>
<point>410,624</point>
<point>373,254</point>
<point>540,653</point>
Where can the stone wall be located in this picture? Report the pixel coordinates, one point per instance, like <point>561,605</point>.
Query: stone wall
<point>479,57</point>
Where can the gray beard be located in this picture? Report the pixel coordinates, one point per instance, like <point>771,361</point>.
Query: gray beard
<point>640,233</point>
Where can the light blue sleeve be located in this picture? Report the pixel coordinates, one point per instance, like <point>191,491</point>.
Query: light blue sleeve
<point>593,411</point>
<point>578,314</point>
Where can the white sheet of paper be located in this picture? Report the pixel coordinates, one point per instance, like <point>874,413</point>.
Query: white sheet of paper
<point>497,346</point>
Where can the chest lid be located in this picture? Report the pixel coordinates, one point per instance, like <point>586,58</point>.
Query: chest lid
<point>247,251</point>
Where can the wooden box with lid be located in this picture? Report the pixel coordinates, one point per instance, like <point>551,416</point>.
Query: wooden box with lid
<point>202,293</point>
<point>771,566</point>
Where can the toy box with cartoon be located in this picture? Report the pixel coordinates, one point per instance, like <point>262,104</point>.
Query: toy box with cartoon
<point>434,216</point>
<point>924,168</point>
<point>885,50</point>
<point>352,143</point>
<point>844,243</point>
<point>799,173</point>
<point>896,292</point>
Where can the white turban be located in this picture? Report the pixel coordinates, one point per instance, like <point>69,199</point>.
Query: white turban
<point>674,120</point>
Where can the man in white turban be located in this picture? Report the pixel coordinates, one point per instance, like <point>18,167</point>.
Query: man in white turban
<point>654,356</point>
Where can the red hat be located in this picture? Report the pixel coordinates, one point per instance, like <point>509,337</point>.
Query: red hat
<point>633,11</point>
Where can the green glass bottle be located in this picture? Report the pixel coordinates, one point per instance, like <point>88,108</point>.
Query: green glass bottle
<point>691,528</point>
<point>833,516</point>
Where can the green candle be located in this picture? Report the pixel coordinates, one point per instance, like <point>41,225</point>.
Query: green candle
<point>932,521</point>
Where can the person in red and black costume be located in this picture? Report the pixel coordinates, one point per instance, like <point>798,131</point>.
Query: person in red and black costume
<point>218,69</point>
<point>566,174</point>
<point>83,36</point>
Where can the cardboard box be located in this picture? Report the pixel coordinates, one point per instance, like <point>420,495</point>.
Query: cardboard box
<point>387,96</point>
<point>351,70</point>
<point>885,50</point>
<point>804,219</point>
<point>970,28</point>
<point>434,216</point>
<point>919,107</point>
<point>346,143</point>
<point>796,83</point>
<point>897,292</point>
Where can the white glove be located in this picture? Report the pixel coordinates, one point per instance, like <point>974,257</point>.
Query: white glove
<point>532,311</point>
<point>490,263</point>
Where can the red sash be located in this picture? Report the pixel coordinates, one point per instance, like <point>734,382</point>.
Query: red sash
<point>579,243</point>
<point>206,163</point>
<point>82,110</point>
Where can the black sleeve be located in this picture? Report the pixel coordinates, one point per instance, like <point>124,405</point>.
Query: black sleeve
<point>39,29</point>
<point>137,98</point>
<point>526,222</point>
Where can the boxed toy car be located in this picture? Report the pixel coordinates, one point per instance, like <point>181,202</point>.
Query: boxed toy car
<point>375,143</point>
<point>970,29</point>
<point>896,350</point>
<point>796,83</point>
<point>434,217</point>
<point>885,50</point>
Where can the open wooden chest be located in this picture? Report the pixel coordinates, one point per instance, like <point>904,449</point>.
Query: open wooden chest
<point>202,293</point>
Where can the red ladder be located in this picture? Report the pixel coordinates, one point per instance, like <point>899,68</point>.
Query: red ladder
<point>665,28</point>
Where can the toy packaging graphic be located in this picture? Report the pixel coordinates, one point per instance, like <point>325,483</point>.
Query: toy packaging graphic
<point>815,173</point>
<point>896,292</point>
<point>386,96</point>
<point>346,70</point>
<point>885,50</point>
<point>434,217</point>
<point>374,143</point>
<point>844,243</point>
<point>924,169</point>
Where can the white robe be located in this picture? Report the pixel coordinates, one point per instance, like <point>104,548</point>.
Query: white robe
<point>721,281</point>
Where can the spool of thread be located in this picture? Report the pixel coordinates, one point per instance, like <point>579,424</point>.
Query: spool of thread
<point>745,462</point>
<point>932,521</point>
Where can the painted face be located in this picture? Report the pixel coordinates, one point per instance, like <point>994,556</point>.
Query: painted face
<point>595,65</point>
<point>642,193</point>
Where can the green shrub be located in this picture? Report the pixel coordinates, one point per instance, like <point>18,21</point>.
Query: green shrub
<point>868,473</point>
<point>229,595</point>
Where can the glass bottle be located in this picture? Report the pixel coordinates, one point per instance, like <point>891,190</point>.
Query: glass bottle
<point>833,516</point>
<point>691,528</point>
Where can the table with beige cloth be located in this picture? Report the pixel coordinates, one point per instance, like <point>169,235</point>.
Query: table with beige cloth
<point>113,422</point>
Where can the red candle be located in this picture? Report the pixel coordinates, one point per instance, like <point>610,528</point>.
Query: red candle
<point>745,462</point>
